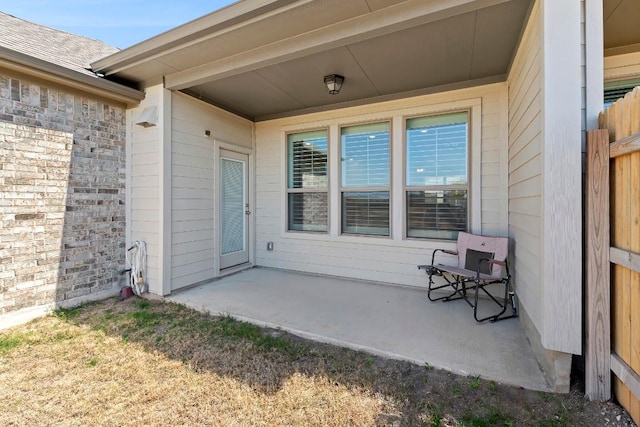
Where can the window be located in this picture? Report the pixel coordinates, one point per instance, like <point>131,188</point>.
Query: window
<point>307,186</point>
<point>436,176</point>
<point>436,194</point>
<point>616,90</point>
<point>365,166</point>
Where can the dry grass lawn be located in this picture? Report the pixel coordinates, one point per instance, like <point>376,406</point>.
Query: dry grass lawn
<point>139,362</point>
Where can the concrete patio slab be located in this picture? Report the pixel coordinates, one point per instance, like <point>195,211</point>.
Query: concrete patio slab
<point>387,320</point>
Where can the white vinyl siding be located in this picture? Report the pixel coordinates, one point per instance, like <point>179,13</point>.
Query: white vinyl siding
<point>394,259</point>
<point>193,170</point>
<point>143,188</point>
<point>525,168</point>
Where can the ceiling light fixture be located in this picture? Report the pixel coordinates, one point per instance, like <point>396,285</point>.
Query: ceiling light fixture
<point>333,82</point>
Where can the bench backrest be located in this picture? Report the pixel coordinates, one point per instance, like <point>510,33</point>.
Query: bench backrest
<point>474,247</point>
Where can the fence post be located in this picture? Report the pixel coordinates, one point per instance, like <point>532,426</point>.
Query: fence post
<point>598,298</point>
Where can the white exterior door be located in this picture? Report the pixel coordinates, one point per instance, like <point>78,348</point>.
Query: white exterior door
<point>234,209</point>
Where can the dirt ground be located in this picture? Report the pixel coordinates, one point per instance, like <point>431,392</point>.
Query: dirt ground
<point>140,362</point>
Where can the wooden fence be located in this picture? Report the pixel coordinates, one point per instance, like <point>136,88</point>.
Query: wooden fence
<point>613,256</point>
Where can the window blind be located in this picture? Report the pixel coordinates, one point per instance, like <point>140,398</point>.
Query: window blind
<point>307,160</point>
<point>365,171</point>
<point>437,176</point>
<point>436,214</point>
<point>232,207</point>
<point>365,155</point>
<point>307,181</point>
<point>437,152</point>
<point>365,212</point>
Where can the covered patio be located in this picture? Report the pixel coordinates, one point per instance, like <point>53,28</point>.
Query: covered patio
<point>240,156</point>
<point>392,321</point>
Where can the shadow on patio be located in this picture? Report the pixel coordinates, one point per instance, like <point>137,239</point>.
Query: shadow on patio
<point>386,320</point>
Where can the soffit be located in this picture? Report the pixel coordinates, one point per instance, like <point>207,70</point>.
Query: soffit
<point>621,28</point>
<point>464,42</point>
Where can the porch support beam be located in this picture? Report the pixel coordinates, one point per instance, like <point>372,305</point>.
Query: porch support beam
<point>562,176</point>
<point>395,18</point>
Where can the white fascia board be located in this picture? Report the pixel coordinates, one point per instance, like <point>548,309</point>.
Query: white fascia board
<point>232,16</point>
<point>395,18</point>
<point>44,70</point>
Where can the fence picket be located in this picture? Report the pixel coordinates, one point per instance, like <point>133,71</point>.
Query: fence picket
<point>634,283</point>
<point>633,106</point>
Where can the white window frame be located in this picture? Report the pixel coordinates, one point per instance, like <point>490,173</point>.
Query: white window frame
<point>397,116</point>
<point>408,188</point>
<point>372,189</point>
<point>289,191</point>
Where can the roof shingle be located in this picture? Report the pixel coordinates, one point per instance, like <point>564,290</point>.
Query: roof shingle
<point>57,47</point>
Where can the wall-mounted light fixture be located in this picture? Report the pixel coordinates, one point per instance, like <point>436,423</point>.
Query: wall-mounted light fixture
<point>148,117</point>
<point>333,82</point>
<point>207,133</point>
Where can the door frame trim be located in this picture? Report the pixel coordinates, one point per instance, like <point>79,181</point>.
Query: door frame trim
<point>218,146</point>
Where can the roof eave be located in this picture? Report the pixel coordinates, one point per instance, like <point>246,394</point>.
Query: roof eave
<point>35,67</point>
<point>231,15</point>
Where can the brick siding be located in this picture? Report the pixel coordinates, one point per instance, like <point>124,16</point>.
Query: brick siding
<point>62,195</point>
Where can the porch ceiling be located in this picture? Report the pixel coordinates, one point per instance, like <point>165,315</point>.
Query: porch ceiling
<point>621,29</point>
<point>264,59</point>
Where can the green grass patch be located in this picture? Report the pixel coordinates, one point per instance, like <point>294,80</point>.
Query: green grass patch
<point>544,396</point>
<point>143,304</point>
<point>474,382</point>
<point>435,415</point>
<point>67,313</point>
<point>494,417</point>
<point>229,327</point>
<point>9,342</point>
<point>144,318</point>
<point>455,389</point>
